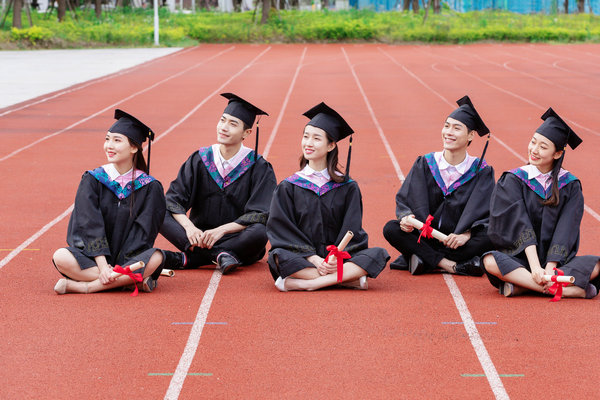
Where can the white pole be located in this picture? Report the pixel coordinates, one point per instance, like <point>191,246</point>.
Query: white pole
<point>156,22</point>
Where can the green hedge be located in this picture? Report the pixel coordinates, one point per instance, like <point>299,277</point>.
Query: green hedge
<point>127,27</point>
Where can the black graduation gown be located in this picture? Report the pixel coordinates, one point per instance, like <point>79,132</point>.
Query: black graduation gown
<point>461,207</point>
<point>118,223</point>
<point>518,219</point>
<point>304,219</point>
<point>242,197</point>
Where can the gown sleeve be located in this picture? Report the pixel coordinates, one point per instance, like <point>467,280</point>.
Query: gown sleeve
<point>179,195</point>
<point>264,183</point>
<point>475,215</point>
<point>282,227</point>
<point>353,221</point>
<point>566,232</point>
<point>147,221</point>
<point>510,226</point>
<point>413,197</point>
<point>86,230</point>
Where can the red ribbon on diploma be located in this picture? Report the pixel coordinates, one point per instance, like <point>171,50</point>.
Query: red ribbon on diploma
<point>340,256</point>
<point>557,288</point>
<point>426,229</point>
<point>137,277</point>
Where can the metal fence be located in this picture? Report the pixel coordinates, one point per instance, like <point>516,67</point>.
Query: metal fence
<point>521,6</point>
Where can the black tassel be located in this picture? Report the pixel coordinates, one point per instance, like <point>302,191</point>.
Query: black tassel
<point>148,165</point>
<point>483,153</point>
<point>349,157</point>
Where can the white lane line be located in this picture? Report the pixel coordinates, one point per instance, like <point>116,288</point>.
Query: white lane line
<point>191,346</point>
<point>482,355</point>
<point>34,237</point>
<point>94,81</point>
<point>6,157</point>
<point>284,106</point>
<point>386,144</point>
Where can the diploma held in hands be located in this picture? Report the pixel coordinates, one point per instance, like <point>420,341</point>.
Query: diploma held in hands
<point>128,270</point>
<point>419,225</point>
<point>559,278</point>
<point>337,254</point>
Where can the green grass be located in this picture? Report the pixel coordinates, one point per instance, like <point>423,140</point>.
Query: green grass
<point>129,27</point>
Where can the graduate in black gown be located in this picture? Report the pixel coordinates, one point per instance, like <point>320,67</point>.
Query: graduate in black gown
<point>535,215</point>
<point>314,208</point>
<point>227,189</point>
<point>116,217</point>
<point>454,188</point>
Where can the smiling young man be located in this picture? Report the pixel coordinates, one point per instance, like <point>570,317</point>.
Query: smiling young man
<point>227,188</point>
<point>455,188</point>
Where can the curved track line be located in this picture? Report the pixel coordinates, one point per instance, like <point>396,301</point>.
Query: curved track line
<point>76,87</point>
<point>81,121</point>
<point>482,354</point>
<point>588,209</point>
<point>284,106</point>
<point>593,132</point>
<point>388,148</point>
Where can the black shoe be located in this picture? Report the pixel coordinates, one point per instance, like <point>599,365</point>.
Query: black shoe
<point>173,260</point>
<point>227,263</point>
<point>470,267</point>
<point>399,263</point>
<point>416,265</point>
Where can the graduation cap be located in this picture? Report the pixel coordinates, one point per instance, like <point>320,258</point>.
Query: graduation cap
<point>468,115</point>
<point>133,128</point>
<point>324,117</point>
<point>557,130</point>
<point>240,108</point>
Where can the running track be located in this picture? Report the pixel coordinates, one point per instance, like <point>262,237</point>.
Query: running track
<point>199,336</point>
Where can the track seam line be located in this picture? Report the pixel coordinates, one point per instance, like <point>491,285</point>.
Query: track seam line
<point>176,383</point>
<point>36,235</point>
<point>386,144</point>
<point>78,86</point>
<point>476,342</point>
<point>587,208</point>
<point>113,105</point>
<point>284,105</point>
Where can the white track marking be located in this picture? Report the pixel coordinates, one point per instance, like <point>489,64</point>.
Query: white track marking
<point>386,144</point>
<point>6,157</point>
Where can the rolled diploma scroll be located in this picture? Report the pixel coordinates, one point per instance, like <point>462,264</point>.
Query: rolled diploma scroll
<point>343,243</point>
<point>167,272</point>
<point>132,268</point>
<point>559,278</point>
<point>418,224</point>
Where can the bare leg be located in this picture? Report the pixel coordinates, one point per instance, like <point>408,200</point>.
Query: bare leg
<point>306,273</point>
<point>352,272</point>
<point>520,277</point>
<point>447,265</point>
<point>68,265</point>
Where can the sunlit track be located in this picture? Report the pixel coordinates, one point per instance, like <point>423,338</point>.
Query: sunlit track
<point>111,106</point>
<point>76,87</point>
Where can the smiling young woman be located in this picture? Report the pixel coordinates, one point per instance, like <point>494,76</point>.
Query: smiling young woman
<point>117,214</point>
<point>535,215</point>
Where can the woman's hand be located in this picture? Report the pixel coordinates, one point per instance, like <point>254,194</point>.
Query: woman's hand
<point>537,273</point>
<point>454,241</point>
<point>405,226</point>
<point>104,276</point>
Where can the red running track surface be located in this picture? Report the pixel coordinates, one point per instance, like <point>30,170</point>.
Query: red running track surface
<point>200,336</point>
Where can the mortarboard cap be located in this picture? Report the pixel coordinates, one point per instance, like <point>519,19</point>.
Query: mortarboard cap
<point>467,114</point>
<point>557,130</point>
<point>131,127</point>
<point>324,117</point>
<point>241,109</point>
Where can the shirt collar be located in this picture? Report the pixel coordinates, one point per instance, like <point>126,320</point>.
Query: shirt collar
<point>308,171</point>
<point>219,156</point>
<point>533,172</point>
<point>112,172</point>
<point>461,167</point>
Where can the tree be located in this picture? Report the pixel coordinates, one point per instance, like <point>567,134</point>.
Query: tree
<point>266,7</point>
<point>580,6</point>
<point>437,6</point>
<point>98,4</point>
<point>62,9</point>
<point>17,6</point>
<point>415,5</point>
<point>566,6</point>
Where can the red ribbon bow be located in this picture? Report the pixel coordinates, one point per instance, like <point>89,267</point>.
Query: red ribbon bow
<point>340,256</point>
<point>426,229</point>
<point>557,288</point>
<point>137,277</point>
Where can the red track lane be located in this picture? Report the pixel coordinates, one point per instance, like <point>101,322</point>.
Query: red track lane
<point>399,339</point>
